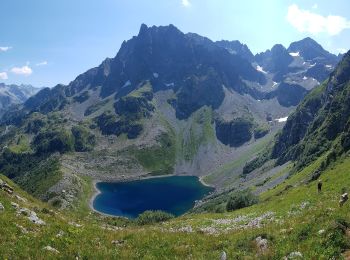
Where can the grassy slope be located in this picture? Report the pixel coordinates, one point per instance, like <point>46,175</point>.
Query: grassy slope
<point>201,132</point>
<point>226,170</point>
<point>293,227</point>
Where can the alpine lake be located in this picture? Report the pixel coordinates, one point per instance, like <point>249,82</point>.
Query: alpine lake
<point>173,194</point>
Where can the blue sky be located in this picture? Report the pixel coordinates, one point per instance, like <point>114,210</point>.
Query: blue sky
<point>46,42</point>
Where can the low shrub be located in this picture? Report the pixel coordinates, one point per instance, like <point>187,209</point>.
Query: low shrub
<point>150,217</point>
<point>241,199</point>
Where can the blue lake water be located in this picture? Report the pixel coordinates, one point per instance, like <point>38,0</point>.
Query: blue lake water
<point>174,194</point>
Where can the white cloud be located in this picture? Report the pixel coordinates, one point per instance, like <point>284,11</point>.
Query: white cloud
<point>3,75</point>
<point>306,21</point>
<point>186,3</point>
<point>5,48</point>
<point>25,70</point>
<point>43,63</point>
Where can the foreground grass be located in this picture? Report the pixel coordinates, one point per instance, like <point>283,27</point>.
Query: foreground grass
<point>300,220</point>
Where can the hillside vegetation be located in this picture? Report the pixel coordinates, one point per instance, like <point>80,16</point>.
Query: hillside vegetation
<point>285,217</point>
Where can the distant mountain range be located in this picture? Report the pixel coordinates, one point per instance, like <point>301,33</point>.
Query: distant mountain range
<point>15,94</point>
<point>168,103</point>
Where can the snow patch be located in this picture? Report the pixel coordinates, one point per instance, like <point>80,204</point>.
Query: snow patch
<point>329,66</point>
<point>282,119</point>
<point>304,78</point>
<point>172,84</point>
<point>156,75</point>
<point>128,83</point>
<point>294,54</point>
<point>261,69</point>
<point>274,84</point>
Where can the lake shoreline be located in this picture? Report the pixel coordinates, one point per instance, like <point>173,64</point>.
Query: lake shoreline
<point>95,194</point>
<point>97,191</point>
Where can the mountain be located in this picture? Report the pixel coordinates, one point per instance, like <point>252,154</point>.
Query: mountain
<point>320,122</point>
<point>310,50</point>
<point>276,59</point>
<point>14,94</point>
<point>167,103</point>
<point>171,60</point>
<point>238,48</point>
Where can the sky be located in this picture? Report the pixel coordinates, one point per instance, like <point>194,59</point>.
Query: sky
<point>47,42</point>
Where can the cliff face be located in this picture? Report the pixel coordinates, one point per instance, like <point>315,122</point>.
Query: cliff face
<point>319,120</point>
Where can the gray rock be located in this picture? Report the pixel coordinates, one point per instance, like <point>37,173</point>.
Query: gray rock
<point>60,234</point>
<point>35,219</point>
<point>51,249</point>
<point>32,216</point>
<point>118,242</point>
<point>23,211</point>
<point>5,187</point>
<point>262,244</point>
<point>223,256</point>
<point>14,205</point>
<point>19,198</point>
<point>294,255</point>
<point>2,208</point>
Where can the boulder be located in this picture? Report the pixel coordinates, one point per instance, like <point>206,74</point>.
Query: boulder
<point>223,256</point>
<point>31,215</point>
<point>261,244</point>
<point>2,208</point>
<point>35,219</point>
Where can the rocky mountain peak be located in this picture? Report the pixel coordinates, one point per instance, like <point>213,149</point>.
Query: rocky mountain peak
<point>238,48</point>
<point>309,49</point>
